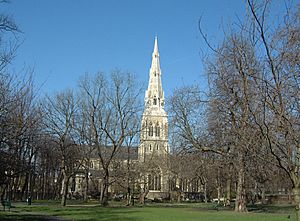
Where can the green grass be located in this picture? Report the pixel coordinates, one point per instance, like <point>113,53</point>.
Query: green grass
<point>152,212</point>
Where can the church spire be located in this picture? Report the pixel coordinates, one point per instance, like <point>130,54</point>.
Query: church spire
<point>155,95</point>
<point>154,130</point>
<point>155,65</point>
<point>155,51</point>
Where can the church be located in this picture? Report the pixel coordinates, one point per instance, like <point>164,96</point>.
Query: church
<point>153,153</point>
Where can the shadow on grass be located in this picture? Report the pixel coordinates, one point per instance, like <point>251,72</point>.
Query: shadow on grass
<point>46,212</point>
<point>27,217</point>
<point>111,214</point>
<point>271,208</point>
<point>67,213</point>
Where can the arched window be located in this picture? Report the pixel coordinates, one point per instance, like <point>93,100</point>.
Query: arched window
<point>158,184</point>
<point>154,178</point>
<point>154,181</point>
<point>154,101</point>
<point>150,131</point>
<point>172,183</point>
<point>157,130</point>
<point>150,182</point>
<point>150,147</point>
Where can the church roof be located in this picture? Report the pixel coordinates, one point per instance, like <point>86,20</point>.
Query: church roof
<point>121,154</point>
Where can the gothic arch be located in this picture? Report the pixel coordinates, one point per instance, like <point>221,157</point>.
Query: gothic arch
<point>154,101</point>
<point>157,130</point>
<point>154,179</point>
<point>150,130</point>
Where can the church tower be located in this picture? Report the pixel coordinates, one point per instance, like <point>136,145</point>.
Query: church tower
<point>154,148</point>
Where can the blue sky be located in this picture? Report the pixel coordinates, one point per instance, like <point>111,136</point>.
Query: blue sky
<point>64,39</point>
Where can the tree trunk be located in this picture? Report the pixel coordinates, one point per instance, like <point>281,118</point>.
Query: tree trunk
<point>129,196</point>
<point>3,190</point>
<point>64,191</point>
<point>25,186</point>
<point>142,197</point>
<point>240,203</point>
<point>44,188</point>
<point>228,192</point>
<point>86,187</point>
<point>290,198</point>
<point>143,194</point>
<point>104,189</point>
<point>15,187</point>
<point>219,194</point>
<point>31,186</point>
<point>129,193</point>
<point>263,196</point>
<point>205,193</point>
<point>296,193</point>
<point>179,196</point>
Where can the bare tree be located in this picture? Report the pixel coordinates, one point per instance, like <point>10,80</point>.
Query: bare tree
<point>279,119</point>
<point>7,28</point>
<point>254,104</point>
<point>132,174</point>
<point>48,182</point>
<point>187,107</point>
<point>8,41</point>
<point>232,77</point>
<point>60,115</point>
<point>110,106</point>
<point>19,133</point>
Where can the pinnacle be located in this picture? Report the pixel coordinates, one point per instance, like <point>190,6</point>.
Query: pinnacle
<point>155,51</point>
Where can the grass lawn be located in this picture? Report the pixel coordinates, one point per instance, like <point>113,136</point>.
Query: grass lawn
<point>153,212</point>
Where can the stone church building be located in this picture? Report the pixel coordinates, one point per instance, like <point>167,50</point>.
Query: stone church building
<point>153,151</point>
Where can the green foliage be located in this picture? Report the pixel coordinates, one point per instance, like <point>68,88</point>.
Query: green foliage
<point>159,212</point>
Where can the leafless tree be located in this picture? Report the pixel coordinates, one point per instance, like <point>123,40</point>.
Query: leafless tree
<point>132,173</point>
<point>8,41</point>
<point>254,78</point>
<point>110,106</point>
<point>48,182</point>
<point>279,118</point>
<point>231,78</point>
<point>60,114</point>
<point>187,107</point>
<point>20,125</point>
<point>20,118</point>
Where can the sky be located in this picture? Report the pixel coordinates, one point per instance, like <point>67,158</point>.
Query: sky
<point>64,39</point>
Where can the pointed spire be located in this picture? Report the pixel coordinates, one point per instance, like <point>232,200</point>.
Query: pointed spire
<point>155,51</point>
<point>155,95</point>
<point>155,65</point>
